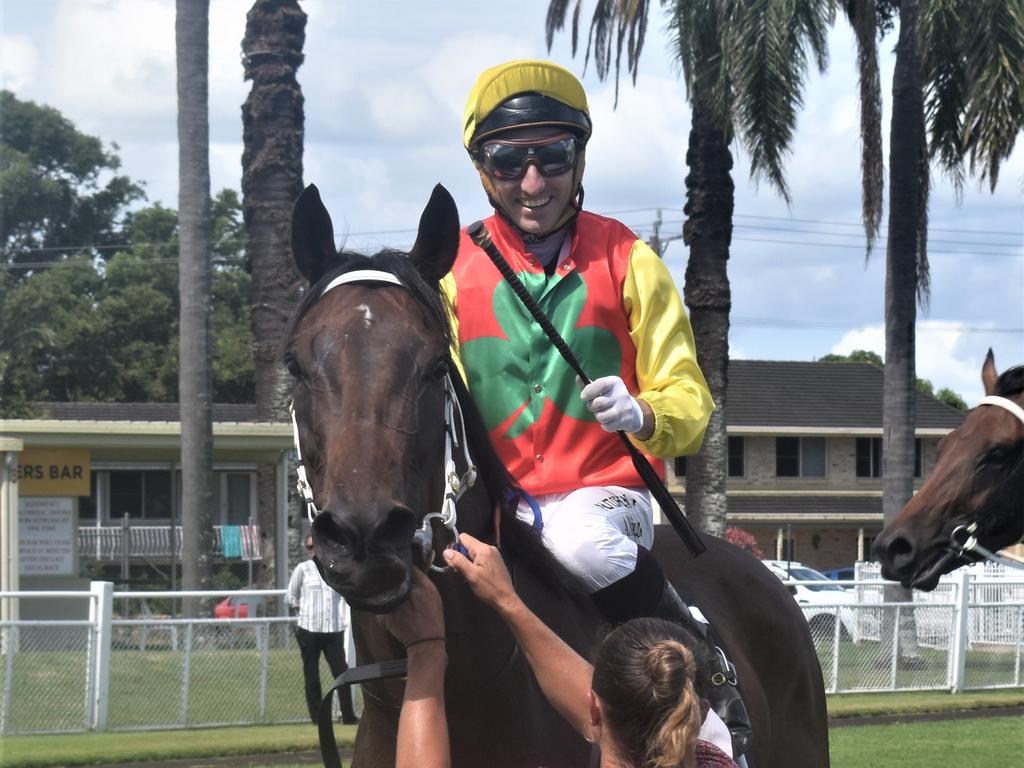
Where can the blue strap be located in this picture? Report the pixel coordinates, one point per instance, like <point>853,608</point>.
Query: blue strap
<point>518,493</point>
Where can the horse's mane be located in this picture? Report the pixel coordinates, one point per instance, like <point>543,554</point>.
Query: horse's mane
<point>520,542</point>
<point>1010,381</point>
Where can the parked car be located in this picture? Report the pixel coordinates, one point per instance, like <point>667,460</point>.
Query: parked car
<point>822,600</point>
<point>848,573</point>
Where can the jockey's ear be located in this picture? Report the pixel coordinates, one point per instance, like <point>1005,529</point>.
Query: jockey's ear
<point>437,241</point>
<point>312,235</point>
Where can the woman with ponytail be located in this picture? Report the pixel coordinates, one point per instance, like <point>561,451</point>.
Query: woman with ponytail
<point>641,703</point>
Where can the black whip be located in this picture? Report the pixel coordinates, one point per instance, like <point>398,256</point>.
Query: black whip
<point>478,233</point>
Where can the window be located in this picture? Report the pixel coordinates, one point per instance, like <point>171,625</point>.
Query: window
<point>87,504</point>
<point>238,490</point>
<point>142,495</point>
<point>869,457</point>
<point>736,456</point>
<point>800,457</point>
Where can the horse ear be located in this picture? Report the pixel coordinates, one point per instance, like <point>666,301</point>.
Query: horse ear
<point>312,235</point>
<point>437,241</point>
<point>988,373</point>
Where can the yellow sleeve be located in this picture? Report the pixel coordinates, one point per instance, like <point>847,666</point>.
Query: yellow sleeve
<point>666,362</point>
<point>449,293</point>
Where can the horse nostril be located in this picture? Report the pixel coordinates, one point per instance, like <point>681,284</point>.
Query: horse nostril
<point>337,540</point>
<point>395,530</point>
<point>900,551</point>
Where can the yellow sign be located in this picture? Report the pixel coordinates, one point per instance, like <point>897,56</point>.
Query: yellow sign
<point>53,472</point>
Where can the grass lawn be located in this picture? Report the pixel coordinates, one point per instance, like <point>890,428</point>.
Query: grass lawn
<point>86,748</point>
<point>974,743</point>
<point>988,739</point>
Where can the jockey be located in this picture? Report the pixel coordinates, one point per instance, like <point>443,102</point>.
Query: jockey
<point>611,297</point>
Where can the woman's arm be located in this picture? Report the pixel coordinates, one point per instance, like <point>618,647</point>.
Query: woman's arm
<point>563,674</point>
<point>422,725</point>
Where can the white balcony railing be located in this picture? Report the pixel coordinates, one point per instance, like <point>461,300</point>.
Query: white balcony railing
<point>154,541</point>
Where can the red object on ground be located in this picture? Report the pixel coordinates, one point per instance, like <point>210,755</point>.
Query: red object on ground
<point>226,609</point>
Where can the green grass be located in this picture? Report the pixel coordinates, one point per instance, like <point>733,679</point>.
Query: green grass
<point>852,747</point>
<point>146,689</point>
<point>841,705</point>
<point>90,748</point>
<point>974,743</point>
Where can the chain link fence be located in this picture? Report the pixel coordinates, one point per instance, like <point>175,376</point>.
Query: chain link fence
<point>149,671</point>
<point>161,672</point>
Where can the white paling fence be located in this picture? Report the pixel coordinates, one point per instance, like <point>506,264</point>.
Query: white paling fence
<point>967,634</point>
<point>149,671</point>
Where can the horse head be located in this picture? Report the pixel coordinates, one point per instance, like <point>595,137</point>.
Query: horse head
<point>370,360</point>
<point>975,490</point>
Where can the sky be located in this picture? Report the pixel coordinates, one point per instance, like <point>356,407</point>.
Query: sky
<point>385,84</point>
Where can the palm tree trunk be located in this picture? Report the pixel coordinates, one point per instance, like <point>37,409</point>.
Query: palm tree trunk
<point>195,378</point>
<point>273,133</point>
<point>708,233</point>
<point>907,198</point>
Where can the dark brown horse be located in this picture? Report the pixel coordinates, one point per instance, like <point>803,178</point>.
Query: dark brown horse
<point>974,494</point>
<point>371,359</point>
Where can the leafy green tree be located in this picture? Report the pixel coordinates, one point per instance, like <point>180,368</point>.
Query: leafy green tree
<point>60,190</point>
<point>89,331</point>
<point>744,66</point>
<point>949,397</point>
<point>857,356</point>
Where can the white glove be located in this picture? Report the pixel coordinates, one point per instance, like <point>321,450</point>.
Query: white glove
<point>610,402</point>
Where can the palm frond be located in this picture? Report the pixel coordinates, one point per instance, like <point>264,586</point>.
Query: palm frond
<point>863,17</point>
<point>924,280</point>
<point>615,25</point>
<point>766,54</point>
<point>994,110</point>
<point>944,73</point>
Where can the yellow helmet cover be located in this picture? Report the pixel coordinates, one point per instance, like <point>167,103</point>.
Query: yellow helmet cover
<point>498,84</point>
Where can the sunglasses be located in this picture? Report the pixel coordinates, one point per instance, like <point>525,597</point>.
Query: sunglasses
<point>508,162</point>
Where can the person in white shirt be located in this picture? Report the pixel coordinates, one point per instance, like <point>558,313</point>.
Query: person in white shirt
<point>320,629</point>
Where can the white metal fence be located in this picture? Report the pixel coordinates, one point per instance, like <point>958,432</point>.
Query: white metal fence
<point>142,670</point>
<point>966,634</point>
<point>149,671</point>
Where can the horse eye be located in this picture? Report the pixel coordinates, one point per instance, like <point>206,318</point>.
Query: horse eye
<point>293,366</point>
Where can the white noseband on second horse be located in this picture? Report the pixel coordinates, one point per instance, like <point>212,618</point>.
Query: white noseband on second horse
<point>454,485</point>
<point>1005,403</point>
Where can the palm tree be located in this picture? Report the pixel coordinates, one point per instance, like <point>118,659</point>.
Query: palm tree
<point>272,122</point>
<point>195,378</point>
<point>744,66</point>
<point>957,97</point>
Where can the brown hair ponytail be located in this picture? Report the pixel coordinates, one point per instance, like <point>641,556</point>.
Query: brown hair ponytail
<point>650,675</point>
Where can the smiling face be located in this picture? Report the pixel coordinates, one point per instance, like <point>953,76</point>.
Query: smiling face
<point>535,203</point>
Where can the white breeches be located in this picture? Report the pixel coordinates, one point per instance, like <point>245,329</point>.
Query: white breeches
<point>595,532</point>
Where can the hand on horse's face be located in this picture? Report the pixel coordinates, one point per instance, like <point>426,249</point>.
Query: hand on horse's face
<point>484,570</point>
<point>421,616</point>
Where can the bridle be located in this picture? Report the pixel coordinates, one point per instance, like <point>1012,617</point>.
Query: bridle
<point>963,538</point>
<point>455,485</point>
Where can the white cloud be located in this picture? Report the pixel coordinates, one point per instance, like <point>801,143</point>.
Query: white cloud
<point>113,59</point>
<point>17,61</point>
<point>948,353</point>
